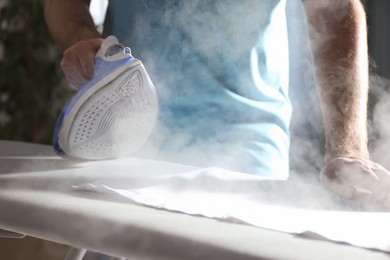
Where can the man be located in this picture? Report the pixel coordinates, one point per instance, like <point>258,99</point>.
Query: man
<point>221,72</point>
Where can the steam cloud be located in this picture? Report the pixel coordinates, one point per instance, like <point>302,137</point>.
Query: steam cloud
<point>378,124</point>
<point>307,137</point>
<point>215,25</point>
<point>306,128</point>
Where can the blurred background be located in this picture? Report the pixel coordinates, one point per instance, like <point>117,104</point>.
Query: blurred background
<point>378,35</point>
<point>33,90</point>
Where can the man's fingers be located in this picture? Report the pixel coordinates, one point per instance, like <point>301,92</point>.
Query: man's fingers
<point>362,182</point>
<point>72,74</point>
<point>78,62</point>
<point>87,66</point>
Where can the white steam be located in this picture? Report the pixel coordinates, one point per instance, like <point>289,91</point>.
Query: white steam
<point>379,118</point>
<point>213,27</point>
<point>240,22</point>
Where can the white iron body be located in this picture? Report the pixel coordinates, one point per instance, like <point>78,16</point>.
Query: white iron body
<point>112,115</point>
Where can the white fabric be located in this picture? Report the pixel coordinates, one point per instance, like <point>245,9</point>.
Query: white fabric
<point>217,193</point>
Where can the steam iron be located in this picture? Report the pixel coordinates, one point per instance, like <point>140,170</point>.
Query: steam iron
<point>114,113</point>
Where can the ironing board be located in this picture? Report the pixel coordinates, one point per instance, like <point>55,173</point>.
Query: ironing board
<point>36,199</point>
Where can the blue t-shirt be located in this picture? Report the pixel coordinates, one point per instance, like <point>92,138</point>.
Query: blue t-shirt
<point>221,72</point>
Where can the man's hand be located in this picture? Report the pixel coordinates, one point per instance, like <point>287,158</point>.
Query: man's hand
<point>72,27</point>
<point>78,63</point>
<point>362,182</point>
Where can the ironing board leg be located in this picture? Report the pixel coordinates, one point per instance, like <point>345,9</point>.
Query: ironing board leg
<point>9,234</point>
<point>75,254</point>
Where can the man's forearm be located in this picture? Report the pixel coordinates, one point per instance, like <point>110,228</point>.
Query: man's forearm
<point>339,43</point>
<point>69,21</point>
